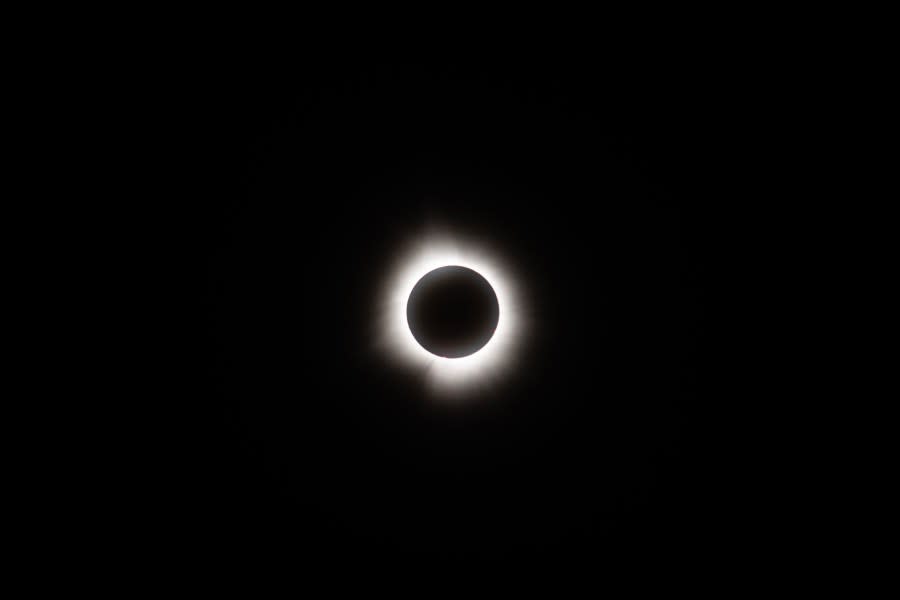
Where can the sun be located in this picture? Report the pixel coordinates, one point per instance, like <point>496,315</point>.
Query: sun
<point>487,367</point>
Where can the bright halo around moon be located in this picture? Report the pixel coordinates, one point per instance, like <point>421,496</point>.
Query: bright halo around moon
<point>486,367</point>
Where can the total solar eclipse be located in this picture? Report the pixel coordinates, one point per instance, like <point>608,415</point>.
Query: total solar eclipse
<point>452,311</point>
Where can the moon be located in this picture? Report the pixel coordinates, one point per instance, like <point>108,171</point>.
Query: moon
<point>453,311</point>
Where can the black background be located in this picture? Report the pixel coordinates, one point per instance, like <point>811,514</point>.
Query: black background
<point>615,188</point>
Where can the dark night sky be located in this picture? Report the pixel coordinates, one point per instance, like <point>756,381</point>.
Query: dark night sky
<point>611,191</point>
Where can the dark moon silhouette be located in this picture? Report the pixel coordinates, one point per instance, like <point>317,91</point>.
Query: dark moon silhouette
<point>452,311</point>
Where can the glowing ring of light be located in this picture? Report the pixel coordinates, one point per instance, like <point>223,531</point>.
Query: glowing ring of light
<point>481,369</point>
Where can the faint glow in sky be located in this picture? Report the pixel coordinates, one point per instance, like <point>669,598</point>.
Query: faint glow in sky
<point>452,376</point>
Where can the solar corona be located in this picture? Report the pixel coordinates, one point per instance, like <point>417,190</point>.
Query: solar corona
<point>452,310</point>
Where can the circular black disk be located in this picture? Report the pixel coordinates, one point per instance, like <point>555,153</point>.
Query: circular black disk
<point>452,311</point>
